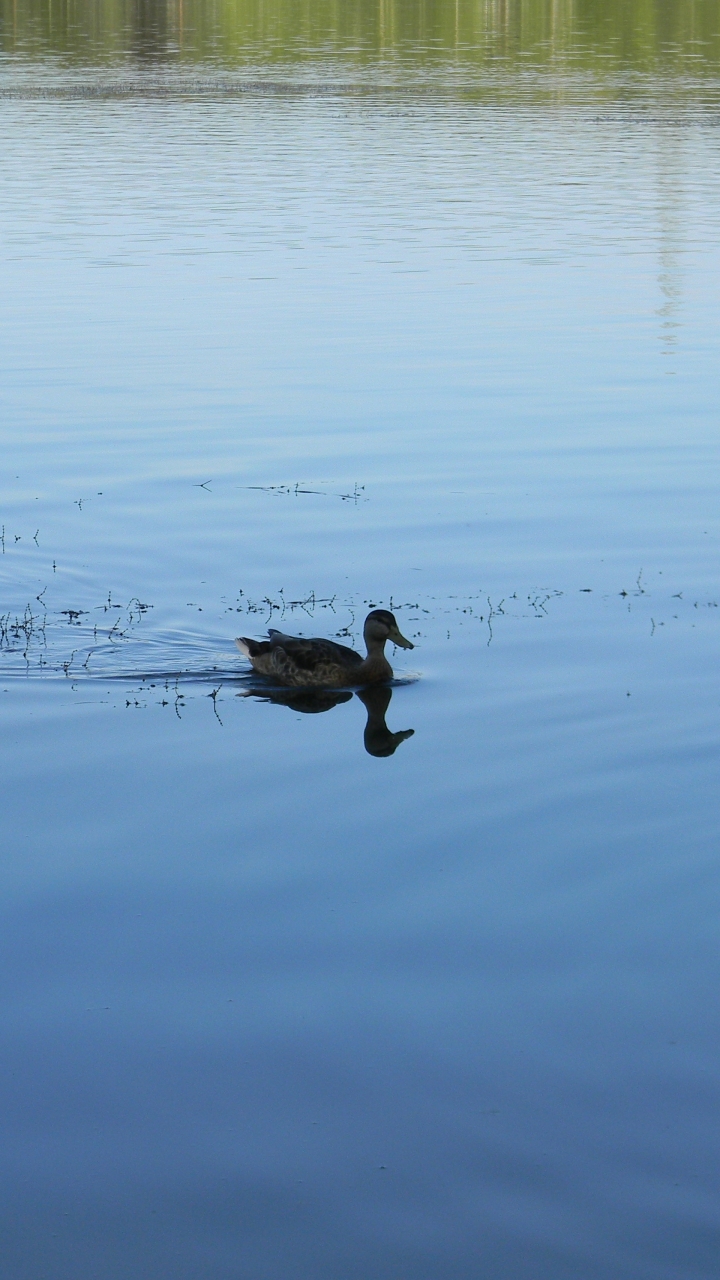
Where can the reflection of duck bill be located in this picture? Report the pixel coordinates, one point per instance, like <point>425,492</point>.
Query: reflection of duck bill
<point>379,740</point>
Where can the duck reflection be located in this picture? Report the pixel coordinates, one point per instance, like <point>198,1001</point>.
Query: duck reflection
<point>378,739</point>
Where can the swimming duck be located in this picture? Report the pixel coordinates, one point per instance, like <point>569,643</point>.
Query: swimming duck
<point>326,664</point>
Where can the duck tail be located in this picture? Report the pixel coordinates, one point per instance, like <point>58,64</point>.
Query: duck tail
<point>252,648</point>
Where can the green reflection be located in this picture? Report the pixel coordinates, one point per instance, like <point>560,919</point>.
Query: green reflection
<point>682,36</point>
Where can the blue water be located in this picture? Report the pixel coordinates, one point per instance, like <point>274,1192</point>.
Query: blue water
<point>277,1006</point>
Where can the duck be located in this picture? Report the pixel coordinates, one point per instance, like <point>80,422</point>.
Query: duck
<point>324,664</point>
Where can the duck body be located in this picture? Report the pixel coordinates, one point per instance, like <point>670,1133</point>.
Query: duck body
<point>324,664</point>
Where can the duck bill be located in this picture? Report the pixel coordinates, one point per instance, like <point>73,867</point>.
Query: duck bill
<point>400,640</point>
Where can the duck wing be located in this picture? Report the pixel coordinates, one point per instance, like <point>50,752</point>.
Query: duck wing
<point>308,655</point>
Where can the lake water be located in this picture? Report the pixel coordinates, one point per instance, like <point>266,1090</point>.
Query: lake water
<point>304,311</point>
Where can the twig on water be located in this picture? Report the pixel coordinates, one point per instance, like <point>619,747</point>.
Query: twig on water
<point>493,614</point>
<point>213,694</point>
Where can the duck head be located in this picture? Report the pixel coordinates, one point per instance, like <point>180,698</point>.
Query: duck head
<point>380,625</point>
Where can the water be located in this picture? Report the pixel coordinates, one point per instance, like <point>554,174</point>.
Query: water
<point>305,312</point>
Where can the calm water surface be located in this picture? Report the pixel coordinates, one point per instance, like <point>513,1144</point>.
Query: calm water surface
<point>403,305</point>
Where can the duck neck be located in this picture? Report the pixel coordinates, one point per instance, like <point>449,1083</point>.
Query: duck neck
<point>376,662</point>
<point>375,648</point>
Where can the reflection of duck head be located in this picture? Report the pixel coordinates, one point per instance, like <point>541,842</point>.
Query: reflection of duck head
<point>379,741</point>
